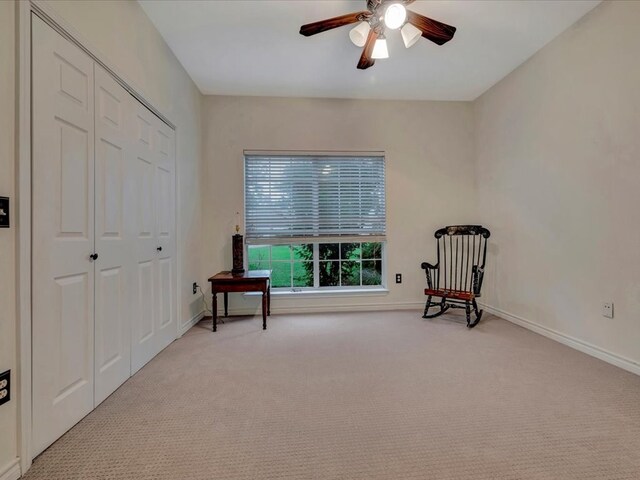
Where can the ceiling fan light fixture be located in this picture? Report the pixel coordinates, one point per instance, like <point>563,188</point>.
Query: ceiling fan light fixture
<point>380,48</point>
<point>358,35</point>
<point>410,35</point>
<point>395,16</point>
<point>370,25</point>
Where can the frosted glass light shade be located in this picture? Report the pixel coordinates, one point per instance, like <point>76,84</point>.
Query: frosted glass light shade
<point>380,49</point>
<point>410,35</point>
<point>358,34</point>
<point>395,16</point>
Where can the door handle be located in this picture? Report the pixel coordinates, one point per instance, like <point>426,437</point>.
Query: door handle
<point>93,256</point>
<point>159,249</point>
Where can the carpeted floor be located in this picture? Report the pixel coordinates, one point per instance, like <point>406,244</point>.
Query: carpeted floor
<point>383,395</point>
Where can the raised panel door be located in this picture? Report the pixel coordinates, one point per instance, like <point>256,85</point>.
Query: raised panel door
<point>63,235</point>
<point>114,283</point>
<point>165,220</point>
<point>144,337</point>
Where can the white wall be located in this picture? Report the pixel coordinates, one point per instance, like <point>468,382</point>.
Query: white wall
<point>429,166</point>
<point>8,448</point>
<point>558,164</point>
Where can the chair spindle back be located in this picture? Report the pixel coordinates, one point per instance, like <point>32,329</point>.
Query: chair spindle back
<point>462,252</point>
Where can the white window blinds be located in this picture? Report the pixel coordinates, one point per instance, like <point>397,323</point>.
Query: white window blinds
<point>288,197</point>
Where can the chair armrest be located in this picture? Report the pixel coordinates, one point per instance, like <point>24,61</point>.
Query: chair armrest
<point>478,275</point>
<point>427,270</point>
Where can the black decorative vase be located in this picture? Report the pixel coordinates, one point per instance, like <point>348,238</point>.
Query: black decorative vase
<point>238,249</point>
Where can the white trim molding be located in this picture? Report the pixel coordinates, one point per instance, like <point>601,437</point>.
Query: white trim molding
<point>363,307</point>
<point>23,241</point>
<point>190,323</point>
<point>575,343</point>
<point>11,471</point>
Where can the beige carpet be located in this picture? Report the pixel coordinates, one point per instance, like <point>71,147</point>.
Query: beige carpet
<point>360,396</point>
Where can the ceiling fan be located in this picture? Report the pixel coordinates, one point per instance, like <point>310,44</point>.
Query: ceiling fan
<point>380,15</point>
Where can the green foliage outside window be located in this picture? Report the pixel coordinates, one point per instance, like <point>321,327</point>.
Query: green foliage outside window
<point>340,264</point>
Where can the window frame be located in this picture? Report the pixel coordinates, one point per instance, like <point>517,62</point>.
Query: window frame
<point>317,288</point>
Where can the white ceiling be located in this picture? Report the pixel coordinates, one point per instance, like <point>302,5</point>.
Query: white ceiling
<point>252,47</point>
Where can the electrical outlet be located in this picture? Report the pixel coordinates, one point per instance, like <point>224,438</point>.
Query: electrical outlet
<point>5,387</point>
<point>4,212</point>
<point>398,278</point>
<point>607,309</point>
<point>195,288</point>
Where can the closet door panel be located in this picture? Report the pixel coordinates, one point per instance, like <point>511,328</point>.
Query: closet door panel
<point>114,287</point>
<point>144,344</point>
<point>165,195</point>
<point>63,235</point>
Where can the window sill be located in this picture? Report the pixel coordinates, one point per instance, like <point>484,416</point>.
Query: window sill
<point>356,292</point>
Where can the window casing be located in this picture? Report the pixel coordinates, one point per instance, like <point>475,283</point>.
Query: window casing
<point>317,221</point>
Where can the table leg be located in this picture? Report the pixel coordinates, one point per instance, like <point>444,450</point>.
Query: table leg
<point>214,310</point>
<point>226,304</point>
<point>269,298</point>
<point>264,310</point>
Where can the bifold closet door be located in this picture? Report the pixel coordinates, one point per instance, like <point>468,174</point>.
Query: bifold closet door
<point>165,235</point>
<point>115,285</point>
<point>154,324</point>
<point>63,234</point>
<point>103,235</point>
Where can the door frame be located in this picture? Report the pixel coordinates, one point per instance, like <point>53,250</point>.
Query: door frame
<point>24,11</point>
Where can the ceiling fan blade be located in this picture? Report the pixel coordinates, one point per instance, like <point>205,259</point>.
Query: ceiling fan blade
<point>331,23</point>
<point>365,59</point>
<point>433,30</point>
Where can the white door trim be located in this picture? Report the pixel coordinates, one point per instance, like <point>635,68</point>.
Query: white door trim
<point>23,195</point>
<point>23,269</point>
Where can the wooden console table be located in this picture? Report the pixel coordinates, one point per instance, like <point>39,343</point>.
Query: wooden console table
<point>253,281</point>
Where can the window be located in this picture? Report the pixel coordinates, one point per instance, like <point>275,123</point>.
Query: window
<point>291,265</point>
<point>317,265</point>
<point>318,222</point>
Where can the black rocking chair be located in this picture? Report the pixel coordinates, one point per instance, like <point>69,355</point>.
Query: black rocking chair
<point>457,276</point>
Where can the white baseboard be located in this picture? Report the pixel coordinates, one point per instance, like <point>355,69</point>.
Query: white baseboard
<point>365,307</point>
<point>11,471</point>
<point>188,324</point>
<point>580,345</point>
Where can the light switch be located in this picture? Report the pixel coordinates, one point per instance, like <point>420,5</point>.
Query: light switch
<point>4,212</point>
